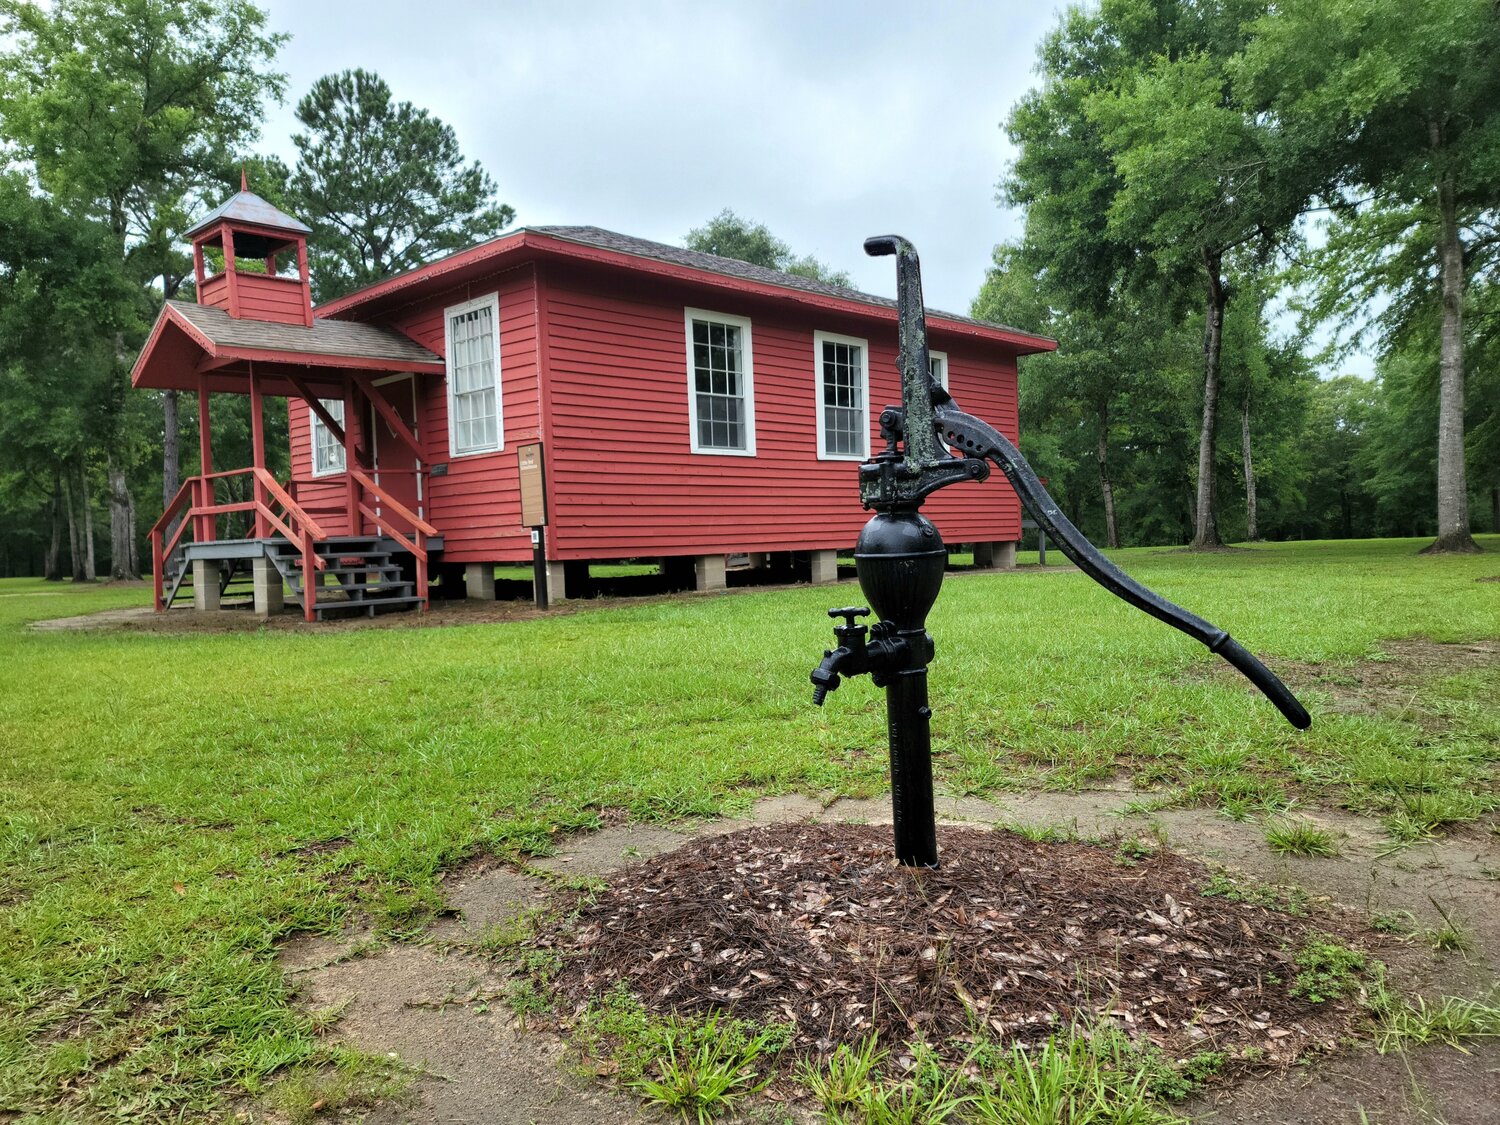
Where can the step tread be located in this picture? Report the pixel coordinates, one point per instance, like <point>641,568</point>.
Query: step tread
<point>383,592</point>
<point>366,607</point>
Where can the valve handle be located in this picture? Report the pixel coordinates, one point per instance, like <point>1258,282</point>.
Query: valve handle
<point>850,613</point>
<point>977,438</point>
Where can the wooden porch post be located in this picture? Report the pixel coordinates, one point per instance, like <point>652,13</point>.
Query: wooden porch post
<point>205,532</point>
<point>231,280</point>
<point>258,452</point>
<point>351,496</point>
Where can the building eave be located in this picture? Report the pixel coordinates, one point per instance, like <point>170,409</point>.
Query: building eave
<point>524,244</point>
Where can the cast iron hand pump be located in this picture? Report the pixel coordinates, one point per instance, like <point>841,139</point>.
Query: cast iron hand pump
<point>900,558</point>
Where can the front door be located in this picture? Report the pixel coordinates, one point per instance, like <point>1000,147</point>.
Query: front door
<point>395,463</point>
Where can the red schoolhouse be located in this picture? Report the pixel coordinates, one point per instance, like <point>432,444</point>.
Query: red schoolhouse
<point>652,402</point>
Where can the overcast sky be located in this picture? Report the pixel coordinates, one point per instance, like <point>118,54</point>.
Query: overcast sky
<point>828,121</point>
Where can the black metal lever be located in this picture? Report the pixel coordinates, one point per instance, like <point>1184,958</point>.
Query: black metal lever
<point>977,438</point>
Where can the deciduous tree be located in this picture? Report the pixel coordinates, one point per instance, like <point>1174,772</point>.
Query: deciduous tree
<point>730,236</point>
<point>1400,100</point>
<point>127,110</point>
<point>1152,172</point>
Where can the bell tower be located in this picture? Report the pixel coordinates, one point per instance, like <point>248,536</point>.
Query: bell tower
<point>250,259</point>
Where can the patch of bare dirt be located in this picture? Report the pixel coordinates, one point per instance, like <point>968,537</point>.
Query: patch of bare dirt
<point>104,619</point>
<point>1389,683</point>
<point>322,847</point>
<point>818,926</point>
<point>1418,1087</point>
<point>437,1012</point>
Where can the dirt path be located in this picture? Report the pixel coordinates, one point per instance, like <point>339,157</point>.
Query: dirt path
<point>434,1005</point>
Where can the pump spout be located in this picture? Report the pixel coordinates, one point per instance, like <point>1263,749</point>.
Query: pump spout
<point>881,654</point>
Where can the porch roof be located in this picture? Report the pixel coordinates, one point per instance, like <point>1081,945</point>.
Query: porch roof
<point>191,340</point>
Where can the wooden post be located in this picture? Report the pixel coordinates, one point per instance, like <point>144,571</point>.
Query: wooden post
<point>351,493</point>
<point>258,452</point>
<point>231,280</point>
<point>158,591</point>
<point>307,316</point>
<point>205,532</point>
<point>309,577</point>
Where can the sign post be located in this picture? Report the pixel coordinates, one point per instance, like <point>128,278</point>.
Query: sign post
<point>534,515</point>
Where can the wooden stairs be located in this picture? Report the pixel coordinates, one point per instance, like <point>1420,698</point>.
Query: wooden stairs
<point>328,575</point>
<point>366,577</point>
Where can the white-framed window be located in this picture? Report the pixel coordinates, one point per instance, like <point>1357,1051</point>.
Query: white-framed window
<point>471,333</point>
<point>720,383</point>
<point>327,450</point>
<point>842,365</point>
<point>937,363</point>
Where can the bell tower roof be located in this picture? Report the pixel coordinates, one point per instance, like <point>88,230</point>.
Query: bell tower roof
<point>246,207</point>
<point>236,248</point>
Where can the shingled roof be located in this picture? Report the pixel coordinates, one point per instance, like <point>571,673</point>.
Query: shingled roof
<point>733,267</point>
<point>335,338</point>
<point>247,207</point>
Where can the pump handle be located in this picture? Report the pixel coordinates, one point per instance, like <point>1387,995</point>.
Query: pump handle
<point>969,435</point>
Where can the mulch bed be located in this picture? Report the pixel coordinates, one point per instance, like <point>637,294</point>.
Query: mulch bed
<point>816,925</point>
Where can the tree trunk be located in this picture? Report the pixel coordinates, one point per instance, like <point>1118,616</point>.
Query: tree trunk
<point>1452,489</point>
<point>86,503</point>
<point>122,560</point>
<point>1252,529</point>
<point>135,543</point>
<point>52,558</point>
<point>1106,486</point>
<point>1495,508</point>
<point>76,558</point>
<point>1206,521</point>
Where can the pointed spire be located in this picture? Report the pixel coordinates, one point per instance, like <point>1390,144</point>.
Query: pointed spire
<point>244,185</point>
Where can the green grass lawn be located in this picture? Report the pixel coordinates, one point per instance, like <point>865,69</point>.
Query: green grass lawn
<point>173,805</point>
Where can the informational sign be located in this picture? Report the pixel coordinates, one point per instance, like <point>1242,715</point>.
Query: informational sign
<point>533,487</point>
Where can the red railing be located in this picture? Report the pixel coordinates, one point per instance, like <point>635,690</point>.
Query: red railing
<point>276,509</point>
<point>273,507</point>
<point>421,530</point>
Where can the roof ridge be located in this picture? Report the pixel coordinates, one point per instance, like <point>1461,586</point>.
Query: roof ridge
<point>736,267</point>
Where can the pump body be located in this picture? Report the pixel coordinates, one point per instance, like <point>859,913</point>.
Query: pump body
<point>900,559</point>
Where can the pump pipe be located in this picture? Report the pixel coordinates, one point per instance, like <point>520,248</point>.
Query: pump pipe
<point>900,559</point>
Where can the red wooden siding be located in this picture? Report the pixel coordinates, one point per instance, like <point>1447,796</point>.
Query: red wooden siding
<point>280,299</point>
<point>323,498</point>
<point>476,504</point>
<point>607,391</point>
<point>215,291</point>
<point>623,479</point>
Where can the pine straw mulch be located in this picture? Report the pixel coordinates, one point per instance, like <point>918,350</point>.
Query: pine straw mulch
<point>816,925</point>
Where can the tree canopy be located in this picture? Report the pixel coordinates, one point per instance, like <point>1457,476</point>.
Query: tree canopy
<point>730,236</point>
<point>127,114</point>
<point>383,184</point>
<point>1399,101</point>
<point>1163,163</point>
